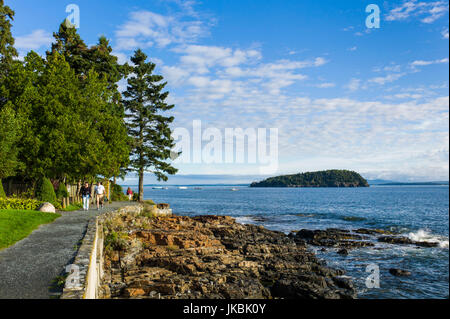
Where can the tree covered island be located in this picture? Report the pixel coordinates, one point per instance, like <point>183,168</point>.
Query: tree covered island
<point>329,178</point>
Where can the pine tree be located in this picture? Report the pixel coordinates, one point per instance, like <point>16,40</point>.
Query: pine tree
<point>7,50</point>
<point>9,121</point>
<point>113,145</point>
<point>148,128</point>
<point>9,136</point>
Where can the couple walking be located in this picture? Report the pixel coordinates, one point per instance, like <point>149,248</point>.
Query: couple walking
<point>99,192</point>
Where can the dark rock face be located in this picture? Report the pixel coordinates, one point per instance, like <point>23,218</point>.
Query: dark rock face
<point>344,240</point>
<point>332,237</point>
<point>367,231</point>
<point>406,241</point>
<point>395,240</point>
<point>399,272</point>
<point>343,251</point>
<point>213,257</point>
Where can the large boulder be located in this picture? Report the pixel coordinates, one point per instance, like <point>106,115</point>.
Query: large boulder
<point>47,208</point>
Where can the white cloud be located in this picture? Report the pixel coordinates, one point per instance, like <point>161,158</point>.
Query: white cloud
<point>325,85</point>
<point>353,48</point>
<point>34,41</point>
<point>206,67</point>
<point>368,136</point>
<point>353,85</point>
<point>381,80</point>
<point>201,58</point>
<point>425,63</point>
<point>428,11</point>
<point>145,29</point>
<point>444,33</point>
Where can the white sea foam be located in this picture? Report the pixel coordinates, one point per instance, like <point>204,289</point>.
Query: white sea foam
<point>426,236</point>
<point>244,220</point>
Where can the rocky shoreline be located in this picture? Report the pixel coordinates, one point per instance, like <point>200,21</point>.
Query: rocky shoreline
<point>211,257</point>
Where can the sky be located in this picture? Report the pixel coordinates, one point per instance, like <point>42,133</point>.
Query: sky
<point>341,95</point>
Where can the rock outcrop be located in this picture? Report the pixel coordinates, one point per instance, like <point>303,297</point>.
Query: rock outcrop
<point>212,257</point>
<point>399,272</point>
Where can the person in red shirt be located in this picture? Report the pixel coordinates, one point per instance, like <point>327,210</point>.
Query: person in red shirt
<point>130,193</point>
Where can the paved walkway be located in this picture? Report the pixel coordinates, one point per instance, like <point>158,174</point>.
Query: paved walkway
<point>28,268</point>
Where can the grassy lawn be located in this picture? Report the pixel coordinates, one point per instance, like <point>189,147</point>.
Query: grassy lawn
<point>73,207</point>
<point>18,224</point>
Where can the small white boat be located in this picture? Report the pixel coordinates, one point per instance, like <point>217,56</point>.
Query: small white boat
<point>157,187</point>
<point>234,189</point>
<point>182,187</point>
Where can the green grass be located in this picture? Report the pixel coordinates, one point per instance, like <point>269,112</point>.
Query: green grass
<point>73,207</point>
<point>18,224</point>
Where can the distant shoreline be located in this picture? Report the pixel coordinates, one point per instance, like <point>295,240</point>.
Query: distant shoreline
<point>248,185</point>
<point>415,184</point>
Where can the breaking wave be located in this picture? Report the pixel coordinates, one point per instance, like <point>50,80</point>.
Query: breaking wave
<point>426,236</point>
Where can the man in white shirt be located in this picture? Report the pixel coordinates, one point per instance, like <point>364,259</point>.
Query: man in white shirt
<point>100,192</point>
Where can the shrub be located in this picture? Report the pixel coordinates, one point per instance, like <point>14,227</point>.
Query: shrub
<point>2,191</point>
<point>117,194</point>
<point>136,197</point>
<point>115,241</point>
<point>45,191</point>
<point>19,203</point>
<point>62,192</point>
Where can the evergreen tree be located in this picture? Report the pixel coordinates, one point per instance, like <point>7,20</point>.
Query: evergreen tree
<point>69,129</point>
<point>7,50</point>
<point>9,124</point>
<point>9,136</point>
<point>114,144</point>
<point>148,128</point>
<point>69,44</point>
<point>45,191</point>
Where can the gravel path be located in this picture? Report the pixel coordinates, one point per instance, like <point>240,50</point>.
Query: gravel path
<point>28,268</point>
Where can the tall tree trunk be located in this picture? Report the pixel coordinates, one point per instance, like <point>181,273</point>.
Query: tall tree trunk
<point>141,185</point>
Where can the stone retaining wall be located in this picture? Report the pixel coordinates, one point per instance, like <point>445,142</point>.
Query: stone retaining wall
<point>86,272</point>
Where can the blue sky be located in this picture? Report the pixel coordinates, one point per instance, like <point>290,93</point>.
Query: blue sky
<point>341,95</point>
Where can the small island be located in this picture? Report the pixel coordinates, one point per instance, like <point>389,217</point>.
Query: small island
<point>329,178</point>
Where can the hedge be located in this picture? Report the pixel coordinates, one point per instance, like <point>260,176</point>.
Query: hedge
<point>19,203</point>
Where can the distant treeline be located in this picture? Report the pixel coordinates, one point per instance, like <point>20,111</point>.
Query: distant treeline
<point>329,178</point>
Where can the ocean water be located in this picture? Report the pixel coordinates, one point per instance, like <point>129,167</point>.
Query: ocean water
<point>419,212</point>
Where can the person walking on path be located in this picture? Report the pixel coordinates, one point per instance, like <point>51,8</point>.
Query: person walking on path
<point>130,193</point>
<point>86,195</point>
<point>100,192</point>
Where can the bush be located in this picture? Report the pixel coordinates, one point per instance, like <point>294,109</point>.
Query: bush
<point>62,192</point>
<point>117,194</point>
<point>136,197</point>
<point>115,241</point>
<point>19,203</point>
<point>45,191</point>
<point>2,191</point>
